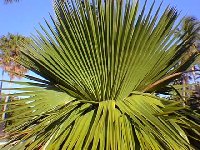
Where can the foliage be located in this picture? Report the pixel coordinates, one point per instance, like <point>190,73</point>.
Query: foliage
<point>194,100</point>
<point>10,113</point>
<point>10,47</point>
<point>186,88</point>
<point>97,65</point>
<point>192,25</point>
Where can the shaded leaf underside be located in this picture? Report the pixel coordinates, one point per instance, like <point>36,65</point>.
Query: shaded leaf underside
<point>131,123</point>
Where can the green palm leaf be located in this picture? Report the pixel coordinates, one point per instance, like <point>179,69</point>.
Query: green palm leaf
<point>93,60</point>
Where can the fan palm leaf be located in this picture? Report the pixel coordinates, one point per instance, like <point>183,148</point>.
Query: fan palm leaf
<point>96,62</point>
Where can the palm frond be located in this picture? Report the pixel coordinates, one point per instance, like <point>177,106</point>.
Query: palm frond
<point>58,121</point>
<point>99,52</point>
<point>93,60</point>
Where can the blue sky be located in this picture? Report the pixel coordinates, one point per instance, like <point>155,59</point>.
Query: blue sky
<point>24,16</point>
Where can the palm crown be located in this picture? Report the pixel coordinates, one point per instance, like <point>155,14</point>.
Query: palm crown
<point>97,62</point>
<point>10,54</point>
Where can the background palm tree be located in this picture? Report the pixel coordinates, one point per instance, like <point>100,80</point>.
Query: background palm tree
<point>100,67</point>
<point>183,85</point>
<point>190,26</point>
<point>10,54</point>
<point>10,46</point>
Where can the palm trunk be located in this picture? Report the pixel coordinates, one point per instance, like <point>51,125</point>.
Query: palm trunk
<point>2,125</point>
<point>7,99</point>
<point>186,87</point>
<point>184,81</point>
<point>1,85</point>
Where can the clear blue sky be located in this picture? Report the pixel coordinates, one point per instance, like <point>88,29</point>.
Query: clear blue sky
<point>22,17</point>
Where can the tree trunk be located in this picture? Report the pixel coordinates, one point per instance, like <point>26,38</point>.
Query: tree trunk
<point>2,125</point>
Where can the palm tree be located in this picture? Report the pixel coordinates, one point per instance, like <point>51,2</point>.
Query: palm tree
<point>10,54</point>
<point>100,68</point>
<point>190,26</point>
